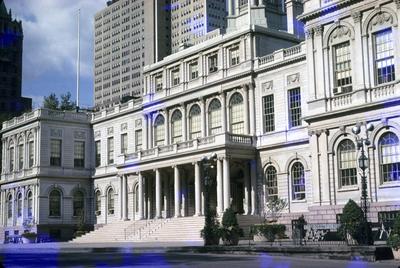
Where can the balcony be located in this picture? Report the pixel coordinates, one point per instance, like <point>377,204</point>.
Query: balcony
<point>281,56</point>
<point>223,139</point>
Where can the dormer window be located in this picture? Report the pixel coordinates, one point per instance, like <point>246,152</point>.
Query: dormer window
<point>213,63</point>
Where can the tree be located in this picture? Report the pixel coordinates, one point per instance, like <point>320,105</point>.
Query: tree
<point>51,102</point>
<point>66,103</point>
<point>273,208</point>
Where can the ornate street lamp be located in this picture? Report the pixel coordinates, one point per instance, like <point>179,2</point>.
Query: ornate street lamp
<point>363,164</point>
<point>207,163</point>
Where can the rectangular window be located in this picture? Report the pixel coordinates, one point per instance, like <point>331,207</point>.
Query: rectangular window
<point>79,154</point>
<point>110,150</point>
<point>31,153</point>
<point>138,139</point>
<point>342,65</point>
<point>213,63</point>
<point>194,70</point>
<point>158,82</point>
<point>55,152</point>
<point>294,107</point>
<point>175,77</point>
<point>20,156</point>
<point>268,105</point>
<point>97,153</point>
<point>384,57</point>
<point>124,143</point>
<point>234,56</point>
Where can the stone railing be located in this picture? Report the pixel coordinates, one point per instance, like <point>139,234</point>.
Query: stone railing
<point>148,152</point>
<point>132,104</point>
<point>282,55</point>
<point>382,91</point>
<point>242,139</point>
<point>206,140</point>
<point>342,100</point>
<point>131,156</point>
<point>185,144</point>
<point>166,148</point>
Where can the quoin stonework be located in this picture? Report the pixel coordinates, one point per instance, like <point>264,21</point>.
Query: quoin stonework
<point>275,104</point>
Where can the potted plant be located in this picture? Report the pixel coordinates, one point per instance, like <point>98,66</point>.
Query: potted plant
<point>230,231</point>
<point>394,238</point>
<point>29,237</point>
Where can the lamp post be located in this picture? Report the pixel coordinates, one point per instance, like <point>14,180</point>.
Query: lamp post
<point>363,164</point>
<point>207,163</point>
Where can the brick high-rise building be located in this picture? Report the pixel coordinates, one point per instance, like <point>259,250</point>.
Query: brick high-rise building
<point>11,37</point>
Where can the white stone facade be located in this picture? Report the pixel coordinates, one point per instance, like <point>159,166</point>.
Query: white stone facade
<point>277,112</point>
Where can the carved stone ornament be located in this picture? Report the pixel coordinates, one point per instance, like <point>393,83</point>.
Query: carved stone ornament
<point>267,86</point>
<point>397,4</point>
<point>381,18</point>
<point>138,123</point>
<point>309,33</point>
<point>318,30</point>
<point>110,131</point>
<point>356,16</point>
<point>340,32</point>
<point>79,134</point>
<point>124,127</point>
<point>56,132</point>
<point>293,79</point>
<point>97,134</point>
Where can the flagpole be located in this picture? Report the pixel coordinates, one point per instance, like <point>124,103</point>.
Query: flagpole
<point>78,66</point>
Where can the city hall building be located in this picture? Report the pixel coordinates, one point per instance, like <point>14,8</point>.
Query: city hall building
<point>276,110</point>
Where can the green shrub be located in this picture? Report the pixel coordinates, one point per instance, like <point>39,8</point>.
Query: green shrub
<point>211,232</point>
<point>353,223</point>
<point>29,235</point>
<point>230,231</point>
<point>394,238</point>
<point>269,231</point>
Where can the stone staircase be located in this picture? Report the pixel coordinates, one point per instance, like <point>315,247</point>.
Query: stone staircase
<point>171,229</point>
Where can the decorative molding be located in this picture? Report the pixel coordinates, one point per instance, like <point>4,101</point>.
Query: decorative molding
<point>293,79</point>
<point>309,33</point>
<point>79,134</point>
<point>124,127</point>
<point>110,131</point>
<point>318,30</point>
<point>381,18</point>
<point>267,86</point>
<point>342,129</point>
<point>97,134</point>
<point>397,4</point>
<point>56,132</point>
<point>357,16</point>
<point>138,123</point>
<point>340,32</point>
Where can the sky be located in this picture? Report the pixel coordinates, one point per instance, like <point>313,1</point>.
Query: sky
<point>50,46</point>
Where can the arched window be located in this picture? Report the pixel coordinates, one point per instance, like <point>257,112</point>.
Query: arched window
<point>30,204</point>
<point>176,126</point>
<point>194,122</point>
<point>159,130</point>
<point>347,163</point>
<point>110,199</point>
<point>20,154</point>
<point>12,156</point>
<point>298,182</point>
<point>271,182</point>
<point>389,150</point>
<point>214,117</point>
<point>55,203</point>
<point>19,205</point>
<point>31,151</point>
<point>236,114</point>
<point>78,203</point>
<point>9,207</point>
<point>98,203</point>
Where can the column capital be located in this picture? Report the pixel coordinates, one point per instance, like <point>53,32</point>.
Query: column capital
<point>309,33</point>
<point>318,30</point>
<point>357,16</point>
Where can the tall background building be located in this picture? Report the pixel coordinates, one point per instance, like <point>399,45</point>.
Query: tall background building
<point>125,41</point>
<point>11,37</point>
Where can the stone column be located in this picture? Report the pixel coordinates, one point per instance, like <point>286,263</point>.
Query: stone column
<point>319,61</point>
<point>167,128</point>
<point>223,112</point>
<point>149,132</point>
<point>144,134</point>
<point>315,168</point>
<point>227,184</point>
<point>358,43</point>
<point>247,189</point>
<point>246,109</point>
<point>220,191</point>
<point>177,190</point>
<point>125,197</point>
<point>140,193</point>
<point>197,189</point>
<point>253,179</point>
<point>158,194</point>
<point>203,117</point>
<point>324,172</point>
<point>184,122</point>
<point>252,112</point>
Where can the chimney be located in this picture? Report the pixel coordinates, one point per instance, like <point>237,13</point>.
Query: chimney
<point>293,9</point>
